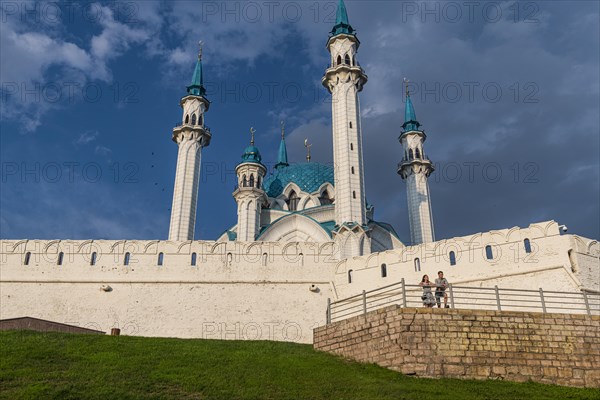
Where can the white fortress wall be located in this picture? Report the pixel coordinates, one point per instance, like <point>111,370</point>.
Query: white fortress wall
<point>236,290</point>
<point>585,261</point>
<point>262,290</point>
<point>548,265</point>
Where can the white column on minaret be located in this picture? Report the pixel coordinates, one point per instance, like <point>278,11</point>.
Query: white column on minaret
<point>191,136</point>
<point>416,172</point>
<point>344,79</point>
<point>249,193</point>
<point>415,168</point>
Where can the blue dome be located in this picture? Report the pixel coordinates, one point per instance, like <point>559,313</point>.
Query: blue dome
<point>308,176</point>
<point>251,154</point>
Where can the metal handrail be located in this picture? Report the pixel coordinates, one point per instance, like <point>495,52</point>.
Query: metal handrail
<point>468,297</point>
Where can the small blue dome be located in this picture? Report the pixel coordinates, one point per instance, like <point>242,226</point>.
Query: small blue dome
<point>251,154</point>
<point>308,176</point>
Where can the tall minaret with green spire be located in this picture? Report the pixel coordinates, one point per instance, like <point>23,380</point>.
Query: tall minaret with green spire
<point>344,79</point>
<point>191,136</point>
<point>415,168</point>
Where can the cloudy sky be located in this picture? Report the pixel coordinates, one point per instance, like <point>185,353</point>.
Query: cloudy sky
<point>508,93</point>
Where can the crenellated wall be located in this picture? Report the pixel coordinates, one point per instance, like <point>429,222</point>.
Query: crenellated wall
<point>268,291</point>
<point>259,290</point>
<point>556,262</point>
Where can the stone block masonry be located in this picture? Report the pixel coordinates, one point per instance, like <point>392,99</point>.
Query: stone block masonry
<point>561,349</point>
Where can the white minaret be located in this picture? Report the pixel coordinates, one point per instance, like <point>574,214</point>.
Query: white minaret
<point>191,136</point>
<point>344,79</point>
<point>415,168</point>
<point>249,193</point>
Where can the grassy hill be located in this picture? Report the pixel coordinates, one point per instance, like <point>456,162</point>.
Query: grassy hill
<point>62,366</point>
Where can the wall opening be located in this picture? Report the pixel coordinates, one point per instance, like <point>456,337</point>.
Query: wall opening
<point>293,201</point>
<point>27,258</point>
<point>126,259</point>
<point>452,258</point>
<point>93,259</point>
<point>350,276</point>
<point>161,259</point>
<point>417,265</point>
<point>61,256</point>
<point>489,254</point>
<point>383,271</point>
<point>193,260</point>
<point>527,245</point>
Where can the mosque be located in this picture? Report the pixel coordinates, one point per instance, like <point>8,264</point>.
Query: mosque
<point>305,235</point>
<point>307,202</point>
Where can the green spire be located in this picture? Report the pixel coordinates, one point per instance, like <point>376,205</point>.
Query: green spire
<point>197,86</point>
<point>282,159</point>
<point>341,21</point>
<point>410,117</point>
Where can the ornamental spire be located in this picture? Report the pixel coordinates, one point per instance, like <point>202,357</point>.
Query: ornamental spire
<point>282,159</point>
<point>197,86</point>
<point>342,25</point>
<point>308,146</point>
<point>410,117</point>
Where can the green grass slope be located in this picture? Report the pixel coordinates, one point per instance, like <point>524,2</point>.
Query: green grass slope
<point>63,366</point>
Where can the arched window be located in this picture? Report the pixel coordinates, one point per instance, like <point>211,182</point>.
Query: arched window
<point>325,199</point>
<point>417,153</point>
<point>126,259</point>
<point>93,259</point>
<point>200,118</point>
<point>339,60</point>
<point>193,260</point>
<point>193,119</point>
<point>252,180</point>
<point>349,276</point>
<point>293,201</point>
<point>301,257</point>
<point>347,60</point>
<point>352,169</point>
<point>258,182</point>
<point>353,194</point>
<point>265,258</point>
<point>350,124</point>
<point>187,118</point>
<point>527,245</point>
<point>27,258</point>
<point>244,181</point>
<point>229,258</point>
<point>452,258</point>
<point>61,256</point>
<point>383,270</point>
<point>410,154</point>
<point>417,265</point>
<point>351,146</point>
<point>354,60</point>
<point>488,252</point>
<point>161,259</point>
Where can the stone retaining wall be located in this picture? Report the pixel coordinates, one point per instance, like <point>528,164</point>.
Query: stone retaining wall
<point>560,349</point>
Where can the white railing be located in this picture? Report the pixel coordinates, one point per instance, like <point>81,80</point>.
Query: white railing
<point>467,297</point>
